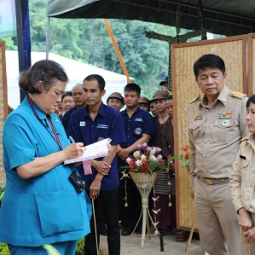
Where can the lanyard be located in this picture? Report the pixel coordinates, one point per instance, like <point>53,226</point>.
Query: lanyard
<point>56,138</point>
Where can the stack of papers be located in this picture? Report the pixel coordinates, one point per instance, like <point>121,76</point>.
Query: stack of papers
<point>95,150</point>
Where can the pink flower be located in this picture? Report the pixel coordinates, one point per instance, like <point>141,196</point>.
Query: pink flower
<point>145,145</point>
<point>148,149</point>
<point>139,146</point>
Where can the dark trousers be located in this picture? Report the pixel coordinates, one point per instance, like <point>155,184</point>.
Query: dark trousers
<point>109,201</point>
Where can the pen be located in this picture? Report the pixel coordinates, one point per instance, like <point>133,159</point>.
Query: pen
<point>71,139</point>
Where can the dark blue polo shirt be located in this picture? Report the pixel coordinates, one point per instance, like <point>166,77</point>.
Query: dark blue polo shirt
<point>108,123</point>
<point>141,122</point>
<point>66,117</point>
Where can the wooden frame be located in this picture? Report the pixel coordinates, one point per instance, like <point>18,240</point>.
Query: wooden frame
<point>3,107</point>
<point>234,53</point>
<point>251,63</point>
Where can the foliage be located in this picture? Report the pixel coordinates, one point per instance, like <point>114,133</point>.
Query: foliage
<point>1,193</point>
<point>4,250</point>
<point>80,246</point>
<point>185,156</point>
<point>146,160</point>
<point>87,40</point>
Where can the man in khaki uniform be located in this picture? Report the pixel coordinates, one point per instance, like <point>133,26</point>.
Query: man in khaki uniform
<point>216,126</point>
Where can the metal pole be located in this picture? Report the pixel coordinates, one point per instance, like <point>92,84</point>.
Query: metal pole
<point>115,45</point>
<point>24,50</point>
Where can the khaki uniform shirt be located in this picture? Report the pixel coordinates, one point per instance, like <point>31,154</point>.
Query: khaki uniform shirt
<point>242,181</point>
<point>215,134</point>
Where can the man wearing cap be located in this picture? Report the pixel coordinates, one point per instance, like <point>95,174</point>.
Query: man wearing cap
<point>164,83</point>
<point>144,103</point>
<point>116,101</point>
<point>217,123</point>
<point>165,204</point>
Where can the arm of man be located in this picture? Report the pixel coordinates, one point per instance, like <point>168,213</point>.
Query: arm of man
<point>42,165</point>
<point>103,167</point>
<point>192,164</point>
<point>124,152</point>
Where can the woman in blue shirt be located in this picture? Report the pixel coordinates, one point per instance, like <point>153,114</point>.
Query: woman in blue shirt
<point>41,205</point>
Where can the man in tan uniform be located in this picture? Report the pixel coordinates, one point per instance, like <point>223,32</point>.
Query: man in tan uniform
<point>216,126</point>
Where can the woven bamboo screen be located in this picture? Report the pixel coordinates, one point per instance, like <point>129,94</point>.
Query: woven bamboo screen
<point>3,107</point>
<point>232,50</point>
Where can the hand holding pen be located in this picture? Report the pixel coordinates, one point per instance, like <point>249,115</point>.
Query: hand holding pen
<point>74,150</point>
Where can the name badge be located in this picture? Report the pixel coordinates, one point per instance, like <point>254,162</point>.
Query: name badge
<point>225,123</point>
<point>87,167</point>
<point>82,123</point>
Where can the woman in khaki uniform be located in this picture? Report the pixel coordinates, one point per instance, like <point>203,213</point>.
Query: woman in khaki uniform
<point>242,183</point>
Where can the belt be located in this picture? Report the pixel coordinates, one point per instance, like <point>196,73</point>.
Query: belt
<point>212,181</point>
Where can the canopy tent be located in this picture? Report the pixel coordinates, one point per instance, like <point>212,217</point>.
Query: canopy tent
<point>227,17</point>
<point>75,70</point>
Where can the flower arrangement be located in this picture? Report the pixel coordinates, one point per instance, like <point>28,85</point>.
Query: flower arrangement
<point>185,156</point>
<point>146,160</point>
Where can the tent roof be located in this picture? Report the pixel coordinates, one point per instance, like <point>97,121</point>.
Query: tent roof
<point>228,17</point>
<point>76,72</point>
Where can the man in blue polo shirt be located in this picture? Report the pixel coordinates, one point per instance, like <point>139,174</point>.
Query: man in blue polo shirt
<point>90,124</point>
<point>139,127</point>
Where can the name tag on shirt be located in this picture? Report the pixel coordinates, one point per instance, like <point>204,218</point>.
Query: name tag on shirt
<point>139,119</point>
<point>87,167</point>
<point>82,123</point>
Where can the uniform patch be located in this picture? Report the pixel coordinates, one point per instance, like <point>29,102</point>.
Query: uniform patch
<point>139,119</point>
<point>138,131</point>
<point>225,123</point>
<point>102,126</point>
<point>198,116</point>
<point>82,123</point>
<point>225,115</point>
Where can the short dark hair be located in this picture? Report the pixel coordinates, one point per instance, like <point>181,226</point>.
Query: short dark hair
<point>98,78</point>
<point>209,60</point>
<point>67,93</point>
<point>250,100</point>
<point>46,71</point>
<point>133,87</point>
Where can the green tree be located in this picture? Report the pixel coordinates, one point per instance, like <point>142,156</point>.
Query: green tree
<point>87,40</point>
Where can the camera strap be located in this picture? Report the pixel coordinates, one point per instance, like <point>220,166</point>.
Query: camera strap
<point>56,138</point>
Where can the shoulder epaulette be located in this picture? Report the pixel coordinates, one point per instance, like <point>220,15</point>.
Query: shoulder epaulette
<point>198,98</point>
<point>237,94</point>
<point>245,138</point>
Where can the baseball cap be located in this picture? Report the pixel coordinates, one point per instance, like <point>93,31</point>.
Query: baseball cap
<point>164,80</point>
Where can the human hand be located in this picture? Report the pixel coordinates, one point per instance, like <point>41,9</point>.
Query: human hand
<point>192,192</point>
<point>95,187</point>
<point>123,154</point>
<point>250,235</point>
<point>101,166</point>
<point>74,150</point>
<point>245,220</point>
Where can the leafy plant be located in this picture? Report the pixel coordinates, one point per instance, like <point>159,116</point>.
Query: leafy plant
<point>80,246</point>
<point>4,250</point>
<point>185,156</point>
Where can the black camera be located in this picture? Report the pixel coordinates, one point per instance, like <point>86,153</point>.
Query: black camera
<point>77,181</point>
